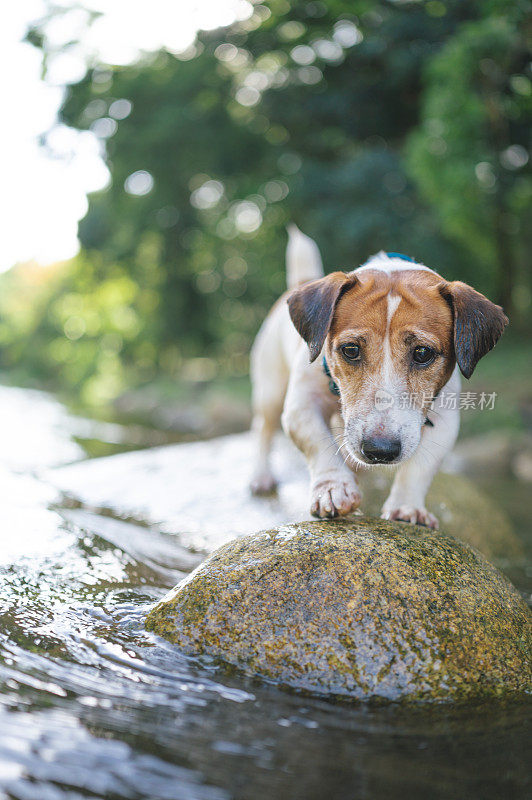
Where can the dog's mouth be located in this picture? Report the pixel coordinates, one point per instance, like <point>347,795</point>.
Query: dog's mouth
<point>375,462</point>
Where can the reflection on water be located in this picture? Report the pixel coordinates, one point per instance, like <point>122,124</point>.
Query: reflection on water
<point>92,706</point>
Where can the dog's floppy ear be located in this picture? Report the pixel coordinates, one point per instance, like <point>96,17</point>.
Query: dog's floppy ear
<point>478,324</point>
<point>312,308</point>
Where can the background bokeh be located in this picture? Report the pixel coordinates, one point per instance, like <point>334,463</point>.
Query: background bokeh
<point>372,124</point>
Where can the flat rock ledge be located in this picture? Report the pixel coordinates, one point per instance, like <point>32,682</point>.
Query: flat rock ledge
<point>201,491</point>
<point>357,608</point>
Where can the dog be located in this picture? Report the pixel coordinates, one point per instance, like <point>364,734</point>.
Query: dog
<point>393,335</point>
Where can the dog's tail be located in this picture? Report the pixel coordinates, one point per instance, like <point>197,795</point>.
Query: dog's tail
<point>303,259</point>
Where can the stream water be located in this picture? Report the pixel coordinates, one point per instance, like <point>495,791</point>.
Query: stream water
<point>92,706</point>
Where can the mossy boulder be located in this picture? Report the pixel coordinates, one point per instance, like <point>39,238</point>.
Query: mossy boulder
<point>359,608</point>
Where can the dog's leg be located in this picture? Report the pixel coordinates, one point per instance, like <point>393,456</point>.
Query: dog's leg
<point>406,501</point>
<point>265,423</point>
<point>308,408</point>
<point>269,376</point>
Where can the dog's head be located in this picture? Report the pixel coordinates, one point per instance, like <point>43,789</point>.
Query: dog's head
<point>391,342</point>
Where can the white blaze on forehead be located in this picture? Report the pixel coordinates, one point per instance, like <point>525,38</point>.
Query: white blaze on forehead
<point>393,305</point>
<point>393,301</point>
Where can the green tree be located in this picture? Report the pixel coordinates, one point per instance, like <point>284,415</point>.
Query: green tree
<point>470,155</point>
<point>331,115</point>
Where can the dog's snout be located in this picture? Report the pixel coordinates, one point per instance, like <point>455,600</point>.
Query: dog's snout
<point>380,449</point>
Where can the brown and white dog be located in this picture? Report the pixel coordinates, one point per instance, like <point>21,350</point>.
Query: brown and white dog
<point>390,330</point>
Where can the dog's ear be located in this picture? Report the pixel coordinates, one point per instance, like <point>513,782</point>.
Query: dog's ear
<point>478,324</point>
<point>312,308</point>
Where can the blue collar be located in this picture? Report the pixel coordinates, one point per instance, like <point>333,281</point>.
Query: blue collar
<point>333,388</point>
<point>400,255</point>
<point>393,255</point>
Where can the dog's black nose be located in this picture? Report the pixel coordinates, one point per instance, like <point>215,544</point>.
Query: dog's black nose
<point>380,450</point>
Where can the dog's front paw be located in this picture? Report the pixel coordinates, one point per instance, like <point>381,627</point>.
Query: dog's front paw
<point>334,498</point>
<point>417,516</point>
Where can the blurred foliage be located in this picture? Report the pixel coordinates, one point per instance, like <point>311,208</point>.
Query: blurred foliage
<point>469,152</point>
<point>372,124</point>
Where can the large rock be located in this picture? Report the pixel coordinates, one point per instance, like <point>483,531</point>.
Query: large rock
<point>359,608</point>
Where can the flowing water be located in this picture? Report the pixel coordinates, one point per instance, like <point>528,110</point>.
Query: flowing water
<point>92,706</point>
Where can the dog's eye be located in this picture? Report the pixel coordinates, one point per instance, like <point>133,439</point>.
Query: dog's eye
<point>351,351</point>
<point>423,355</point>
